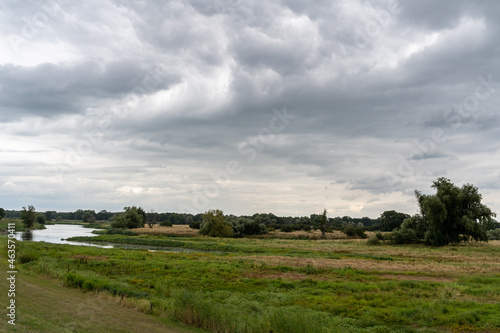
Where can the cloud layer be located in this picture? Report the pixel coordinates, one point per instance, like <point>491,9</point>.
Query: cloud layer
<point>284,107</point>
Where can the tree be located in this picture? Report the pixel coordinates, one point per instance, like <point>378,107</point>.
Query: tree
<point>390,220</point>
<point>452,215</point>
<point>243,226</point>
<point>88,217</point>
<point>322,223</point>
<point>28,216</point>
<point>151,218</point>
<point>215,225</point>
<point>2,213</point>
<point>50,214</point>
<point>41,219</point>
<point>132,217</point>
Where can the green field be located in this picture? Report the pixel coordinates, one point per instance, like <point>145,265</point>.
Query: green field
<point>286,285</point>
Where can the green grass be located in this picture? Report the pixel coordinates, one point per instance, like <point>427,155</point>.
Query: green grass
<point>44,305</point>
<point>258,285</point>
<point>18,225</point>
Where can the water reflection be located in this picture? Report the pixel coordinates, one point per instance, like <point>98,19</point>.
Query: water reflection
<point>26,235</point>
<point>58,234</point>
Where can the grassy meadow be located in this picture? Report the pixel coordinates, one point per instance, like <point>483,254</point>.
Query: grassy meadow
<point>284,283</point>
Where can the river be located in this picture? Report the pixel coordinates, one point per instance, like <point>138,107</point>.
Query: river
<point>58,233</point>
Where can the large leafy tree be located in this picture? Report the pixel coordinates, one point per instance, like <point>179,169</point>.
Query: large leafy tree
<point>2,213</point>
<point>214,224</point>
<point>453,214</point>
<point>390,220</point>
<point>132,217</point>
<point>322,223</point>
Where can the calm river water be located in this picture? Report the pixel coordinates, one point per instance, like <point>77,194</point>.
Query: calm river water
<point>58,233</point>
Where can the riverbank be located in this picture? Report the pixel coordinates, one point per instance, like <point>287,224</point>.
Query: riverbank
<point>18,225</point>
<point>44,305</point>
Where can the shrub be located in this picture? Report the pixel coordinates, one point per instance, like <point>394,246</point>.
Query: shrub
<point>352,231</point>
<point>41,219</point>
<point>195,225</point>
<point>287,228</point>
<point>411,231</point>
<point>166,224</point>
<point>245,226</point>
<point>493,234</point>
<point>118,231</point>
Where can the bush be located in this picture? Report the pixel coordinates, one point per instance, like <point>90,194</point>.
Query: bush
<point>117,231</point>
<point>352,231</point>
<point>41,219</point>
<point>166,224</point>
<point>287,228</point>
<point>411,231</point>
<point>493,234</point>
<point>245,226</point>
<point>195,225</point>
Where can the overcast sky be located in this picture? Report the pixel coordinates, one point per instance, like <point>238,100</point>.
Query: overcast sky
<point>247,106</point>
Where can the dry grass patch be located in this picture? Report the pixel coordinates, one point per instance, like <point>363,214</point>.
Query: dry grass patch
<point>176,230</point>
<point>379,265</point>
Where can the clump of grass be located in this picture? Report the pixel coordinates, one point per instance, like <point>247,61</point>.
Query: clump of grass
<point>27,255</point>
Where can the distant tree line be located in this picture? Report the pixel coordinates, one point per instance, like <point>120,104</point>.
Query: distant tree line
<point>452,215</point>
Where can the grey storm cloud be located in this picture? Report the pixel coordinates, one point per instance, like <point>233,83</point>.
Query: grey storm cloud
<point>175,104</point>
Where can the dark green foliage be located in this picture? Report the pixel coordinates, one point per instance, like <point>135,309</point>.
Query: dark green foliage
<point>41,219</point>
<point>88,217</point>
<point>2,213</point>
<point>322,223</point>
<point>287,228</point>
<point>118,231</point>
<point>195,225</point>
<point>378,239</point>
<point>412,230</point>
<point>493,234</point>
<point>28,216</point>
<point>151,218</point>
<point>50,215</point>
<point>454,214</point>
<point>390,220</point>
<point>215,225</point>
<point>132,217</point>
<point>166,224</point>
<point>243,226</point>
<point>352,231</point>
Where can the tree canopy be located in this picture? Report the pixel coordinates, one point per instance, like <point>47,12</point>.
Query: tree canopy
<point>215,225</point>
<point>452,215</point>
<point>132,217</point>
<point>390,220</point>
